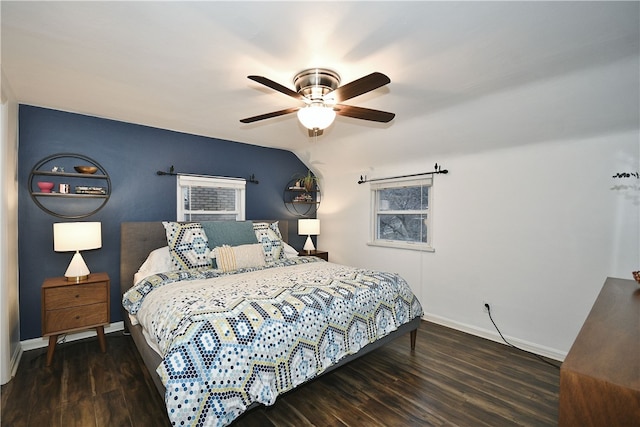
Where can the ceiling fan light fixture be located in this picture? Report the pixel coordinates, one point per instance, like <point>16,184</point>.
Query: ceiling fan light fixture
<point>316,116</point>
<point>320,90</point>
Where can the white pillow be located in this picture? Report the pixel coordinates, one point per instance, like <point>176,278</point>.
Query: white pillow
<point>289,251</point>
<point>231,258</point>
<point>158,261</point>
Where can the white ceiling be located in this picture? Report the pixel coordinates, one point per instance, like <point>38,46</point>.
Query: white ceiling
<point>463,75</point>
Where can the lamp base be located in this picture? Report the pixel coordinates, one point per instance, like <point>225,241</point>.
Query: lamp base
<point>77,279</point>
<point>77,270</point>
<point>308,245</point>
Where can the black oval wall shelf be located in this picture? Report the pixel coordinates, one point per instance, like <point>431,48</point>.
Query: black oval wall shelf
<point>299,201</point>
<point>90,200</point>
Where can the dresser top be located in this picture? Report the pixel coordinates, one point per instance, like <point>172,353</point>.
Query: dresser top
<point>608,345</point>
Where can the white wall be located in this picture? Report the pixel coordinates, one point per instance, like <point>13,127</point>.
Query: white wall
<point>528,218</point>
<point>10,350</point>
<point>533,230</point>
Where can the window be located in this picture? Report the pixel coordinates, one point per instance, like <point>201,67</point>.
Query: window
<point>401,214</point>
<point>202,198</point>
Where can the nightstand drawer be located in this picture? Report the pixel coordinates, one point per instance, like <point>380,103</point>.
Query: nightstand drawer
<point>75,295</point>
<point>76,317</point>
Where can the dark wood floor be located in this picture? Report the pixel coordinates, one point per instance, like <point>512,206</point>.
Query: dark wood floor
<point>451,379</point>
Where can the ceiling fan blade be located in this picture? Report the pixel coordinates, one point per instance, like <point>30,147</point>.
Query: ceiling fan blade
<point>358,87</point>
<point>277,86</point>
<point>314,132</point>
<point>364,113</point>
<point>270,115</point>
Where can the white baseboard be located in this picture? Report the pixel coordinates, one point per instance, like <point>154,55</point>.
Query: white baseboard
<point>15,360</point>
<point>551,353</point>
<point>44,341</point>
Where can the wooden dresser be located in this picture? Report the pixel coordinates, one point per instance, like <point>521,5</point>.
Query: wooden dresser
<point>600,377</point>
<point>70,306</point>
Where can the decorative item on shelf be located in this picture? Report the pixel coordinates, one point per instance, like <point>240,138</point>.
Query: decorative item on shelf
<point>77,236</point>
<point>64,188</point>
<point>45,186</point>
<point>303,198</point>
<point>58,169</point>
<point>636,275</point>
<point>82,189</point>
<point>308,182</point>
<point>308,227</point>
<point>86,169</point>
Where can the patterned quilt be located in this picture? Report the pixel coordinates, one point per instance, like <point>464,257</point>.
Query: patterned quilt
<point>229,340</point>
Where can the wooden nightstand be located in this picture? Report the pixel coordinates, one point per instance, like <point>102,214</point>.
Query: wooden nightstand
<point>320,254</point>
<point>70,306</point>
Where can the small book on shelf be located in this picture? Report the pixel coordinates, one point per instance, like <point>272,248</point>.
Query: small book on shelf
<point>81,189</point>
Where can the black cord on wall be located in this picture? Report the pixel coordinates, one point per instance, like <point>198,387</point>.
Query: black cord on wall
<point>513,346</point>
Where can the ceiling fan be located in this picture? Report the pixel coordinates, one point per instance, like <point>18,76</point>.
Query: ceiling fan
<point>319,89</point>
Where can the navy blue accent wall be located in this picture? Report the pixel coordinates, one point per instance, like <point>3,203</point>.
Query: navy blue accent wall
<point>131,155</point>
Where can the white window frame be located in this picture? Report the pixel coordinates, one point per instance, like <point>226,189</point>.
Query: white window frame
<point>399,244</point>
<point>237,184</point>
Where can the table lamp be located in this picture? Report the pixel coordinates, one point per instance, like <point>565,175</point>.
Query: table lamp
<point>76,236</point>
<point>308,227</point>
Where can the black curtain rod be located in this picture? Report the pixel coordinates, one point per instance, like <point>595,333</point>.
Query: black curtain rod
<point>438,169</point>
<point>252,179</point>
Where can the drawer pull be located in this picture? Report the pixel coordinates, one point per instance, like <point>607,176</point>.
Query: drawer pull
<point>77,296</point>
<point>77,317</point>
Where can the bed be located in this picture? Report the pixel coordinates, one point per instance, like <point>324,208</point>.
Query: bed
<point>257,338</point>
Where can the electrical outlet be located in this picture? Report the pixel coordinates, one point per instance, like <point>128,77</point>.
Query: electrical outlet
<point>485,306</point>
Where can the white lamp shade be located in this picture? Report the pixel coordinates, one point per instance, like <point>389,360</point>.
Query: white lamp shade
<point>308,227</point>
<point>316,116</point>
<point>76,236</point>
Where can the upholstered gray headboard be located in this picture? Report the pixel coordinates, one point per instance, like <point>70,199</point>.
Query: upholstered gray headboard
<point>138,239</point>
